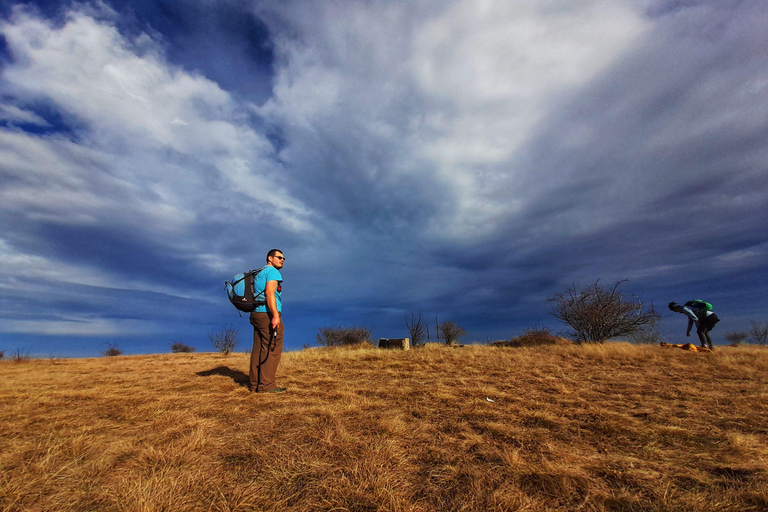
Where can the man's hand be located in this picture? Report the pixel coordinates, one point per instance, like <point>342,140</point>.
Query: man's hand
<point>275,323</point>
<point>688,334</point>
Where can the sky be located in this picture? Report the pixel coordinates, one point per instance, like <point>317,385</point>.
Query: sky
<point>466,159</point>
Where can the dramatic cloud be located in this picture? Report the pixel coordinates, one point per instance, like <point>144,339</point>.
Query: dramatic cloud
<point>465,159</point>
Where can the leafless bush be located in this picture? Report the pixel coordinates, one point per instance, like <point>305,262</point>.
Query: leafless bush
<point>178,346</point>
<point>224,340</point>
<point>112,350</point>
<point>417,328</point>
<point>647,335</point>
<point>2,354</point>
<point>451,332</point>
<point>20,356</point>
<point>736,338</point>
<point>596,314</point>
<point>342,336</point>
<point>759,332</point>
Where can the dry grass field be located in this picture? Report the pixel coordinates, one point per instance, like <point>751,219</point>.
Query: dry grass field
<point>594,428</point>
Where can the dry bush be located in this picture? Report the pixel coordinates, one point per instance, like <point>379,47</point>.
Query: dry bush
<point>759,332</point>
<point>535,337</point>
<point>647,335</point>
<point>112,350</point>
<point>736,338</point>
<point>583,427</point>
<point>417,328</point>
<point>596,314</point>
<point>225,340</point>
<point>178,347</point>
<point>20,356</point>
<point>342,336</point>
<point>451,332</point>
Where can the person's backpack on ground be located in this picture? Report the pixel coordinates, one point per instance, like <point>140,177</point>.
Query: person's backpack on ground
<point>242,293</point>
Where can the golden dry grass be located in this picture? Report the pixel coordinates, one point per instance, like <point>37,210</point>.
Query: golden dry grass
<point>594,428</point>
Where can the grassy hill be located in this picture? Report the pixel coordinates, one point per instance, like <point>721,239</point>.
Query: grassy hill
<point>596,428</point>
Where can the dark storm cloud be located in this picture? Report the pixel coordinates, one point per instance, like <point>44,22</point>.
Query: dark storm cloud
<point>437,158</point>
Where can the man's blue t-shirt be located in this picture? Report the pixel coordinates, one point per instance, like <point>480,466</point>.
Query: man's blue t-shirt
<point>269,273</point>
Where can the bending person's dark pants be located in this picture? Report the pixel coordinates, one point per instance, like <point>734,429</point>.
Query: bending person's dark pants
<point>705,326</point>
<point>267,349</point>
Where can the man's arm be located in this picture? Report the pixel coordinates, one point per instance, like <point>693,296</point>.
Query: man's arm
<point>269,293</point>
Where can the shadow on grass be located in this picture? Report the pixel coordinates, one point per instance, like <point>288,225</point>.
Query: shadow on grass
<point>225,371</point>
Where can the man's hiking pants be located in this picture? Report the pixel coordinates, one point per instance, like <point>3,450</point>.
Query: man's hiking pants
<point>703,328</point>
<point>267,349</point>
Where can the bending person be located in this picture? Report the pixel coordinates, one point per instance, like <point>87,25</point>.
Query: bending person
<point>701,317</point>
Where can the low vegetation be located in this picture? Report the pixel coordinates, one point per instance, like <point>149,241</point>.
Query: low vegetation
<point>736,338</point>
<point>611,427</point>
<point>343,336</point>
<point>535,337</point>
<point>179,347</point>
<point>112,350</point>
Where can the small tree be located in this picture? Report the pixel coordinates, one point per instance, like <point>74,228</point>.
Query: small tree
<point>759,332</point>
<point>736,338</point>
<point>451,332</point>
<point>342,336</point>
<point>596,314</point>
<point>225,340</point>
<point>178,346</point>
<point>417,328</point>
<point>112,350</point>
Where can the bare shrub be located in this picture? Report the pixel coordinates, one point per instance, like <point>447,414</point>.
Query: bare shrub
<point>20,356</point>
<point>178,346</point>
<point>596,314</point>
<point>759,332</point>
<point>112,350</point>
<point>417,328</point>
<point>225,340</point>
<point>647,335</point>
<point>451,332</point>
<point>342,336</point>
<point>736,338</point>
<point>2,354</point>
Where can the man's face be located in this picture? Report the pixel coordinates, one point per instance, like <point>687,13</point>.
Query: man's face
<point>277,260</point>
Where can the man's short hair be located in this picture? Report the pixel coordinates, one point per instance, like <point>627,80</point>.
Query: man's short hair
<point>272,253</point>
<point>673,305</point>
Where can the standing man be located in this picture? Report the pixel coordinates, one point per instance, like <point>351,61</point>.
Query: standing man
<point>699,315</point>
<point>267,326</point>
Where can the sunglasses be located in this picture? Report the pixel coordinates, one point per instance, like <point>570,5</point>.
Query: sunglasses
<point>279,257</point>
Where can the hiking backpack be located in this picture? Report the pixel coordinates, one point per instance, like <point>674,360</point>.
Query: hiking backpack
<point>699,304</point>
<point>242,292</point>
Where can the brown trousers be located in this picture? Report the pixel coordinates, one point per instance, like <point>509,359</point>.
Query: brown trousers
<point>267,349</point>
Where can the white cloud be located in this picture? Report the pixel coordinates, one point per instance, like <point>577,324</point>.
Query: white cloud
<point>455,87</point>
<point>16,115</point>
<point>142,116</point>
<point>76,327</point>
